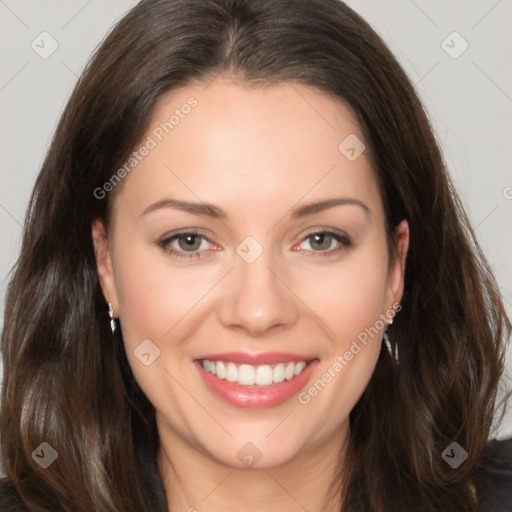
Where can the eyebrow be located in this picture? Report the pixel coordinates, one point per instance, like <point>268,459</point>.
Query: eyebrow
<point>312,208</point>
<point>210,210</point>
<point>206,209</point>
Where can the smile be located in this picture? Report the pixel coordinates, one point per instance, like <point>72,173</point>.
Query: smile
<point>249,375</point>
<point>249,381</point>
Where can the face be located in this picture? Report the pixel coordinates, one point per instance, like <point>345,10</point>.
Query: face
<point>249,269</point>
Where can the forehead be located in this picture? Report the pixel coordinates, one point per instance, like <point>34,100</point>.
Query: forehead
<point>265,144</point>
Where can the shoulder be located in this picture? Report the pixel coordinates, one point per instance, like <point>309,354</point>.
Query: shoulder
<point>9,499</point>
<point>493,478</point>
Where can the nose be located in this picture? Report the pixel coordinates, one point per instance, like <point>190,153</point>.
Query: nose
<point>257,300</point>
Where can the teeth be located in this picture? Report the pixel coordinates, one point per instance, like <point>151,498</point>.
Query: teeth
<point>231,372</point>
<point>299,367</point>
<point>289,371</point>
<point>264,375</point>
<point>278,373</point>
<point>220,367</point>
<point>248,375</point>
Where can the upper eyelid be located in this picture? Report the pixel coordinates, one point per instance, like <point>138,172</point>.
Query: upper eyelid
<point>192,231</point>
<point>167,240</point>
<point>341,239</point>
<point>312,231</point>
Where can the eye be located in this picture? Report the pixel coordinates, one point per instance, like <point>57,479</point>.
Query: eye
<point>192,245</point>
<point>324,242</point>
<point>185,245</point>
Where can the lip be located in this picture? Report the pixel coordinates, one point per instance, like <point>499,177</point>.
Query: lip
<point>244,397</point>
<point>257,359</point>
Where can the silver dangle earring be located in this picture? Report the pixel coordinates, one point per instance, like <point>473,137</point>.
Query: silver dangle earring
<point>392,353</point>
<point>111,315</point>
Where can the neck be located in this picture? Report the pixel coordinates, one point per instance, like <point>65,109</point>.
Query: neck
<point>194,481</point>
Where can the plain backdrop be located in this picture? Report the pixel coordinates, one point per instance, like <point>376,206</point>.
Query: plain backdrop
<point>457,53</point>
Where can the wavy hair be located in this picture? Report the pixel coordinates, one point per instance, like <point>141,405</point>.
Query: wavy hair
<point>67,382</point>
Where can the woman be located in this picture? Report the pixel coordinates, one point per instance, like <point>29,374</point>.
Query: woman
<point>240,199</point>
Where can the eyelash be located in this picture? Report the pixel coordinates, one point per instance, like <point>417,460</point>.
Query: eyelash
<point>165,243</point>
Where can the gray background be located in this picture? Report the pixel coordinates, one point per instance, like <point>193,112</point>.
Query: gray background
<point>468,97</point>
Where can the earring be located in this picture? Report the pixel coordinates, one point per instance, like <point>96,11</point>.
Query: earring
<point>111,315</point>
<point>392,352</point>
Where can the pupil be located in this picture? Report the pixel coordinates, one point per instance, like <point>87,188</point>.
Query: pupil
<point>323,241</point>
<point>191,242</point>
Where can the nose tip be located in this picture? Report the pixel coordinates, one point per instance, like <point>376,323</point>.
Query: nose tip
<point>257,300</point>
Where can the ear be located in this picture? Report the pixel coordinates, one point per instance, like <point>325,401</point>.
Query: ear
<point>396,275</point>
<point>104,263</point>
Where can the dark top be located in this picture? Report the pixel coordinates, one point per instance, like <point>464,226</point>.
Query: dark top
<point>493,482</point>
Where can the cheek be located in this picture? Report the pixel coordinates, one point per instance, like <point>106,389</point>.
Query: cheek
<point>351,301</point>
<point>154,300</point>
<point>351,310</point>
<point>351,297</point>
<point>153,296</point>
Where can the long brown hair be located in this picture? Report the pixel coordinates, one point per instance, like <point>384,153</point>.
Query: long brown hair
<point>67,381</point>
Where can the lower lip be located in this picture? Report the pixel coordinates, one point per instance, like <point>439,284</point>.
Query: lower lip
<point>265,397</point>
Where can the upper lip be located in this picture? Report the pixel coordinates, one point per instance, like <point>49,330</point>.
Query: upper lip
<point>257,359</point>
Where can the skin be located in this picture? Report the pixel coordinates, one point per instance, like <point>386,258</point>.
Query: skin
<point>257,153</point>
